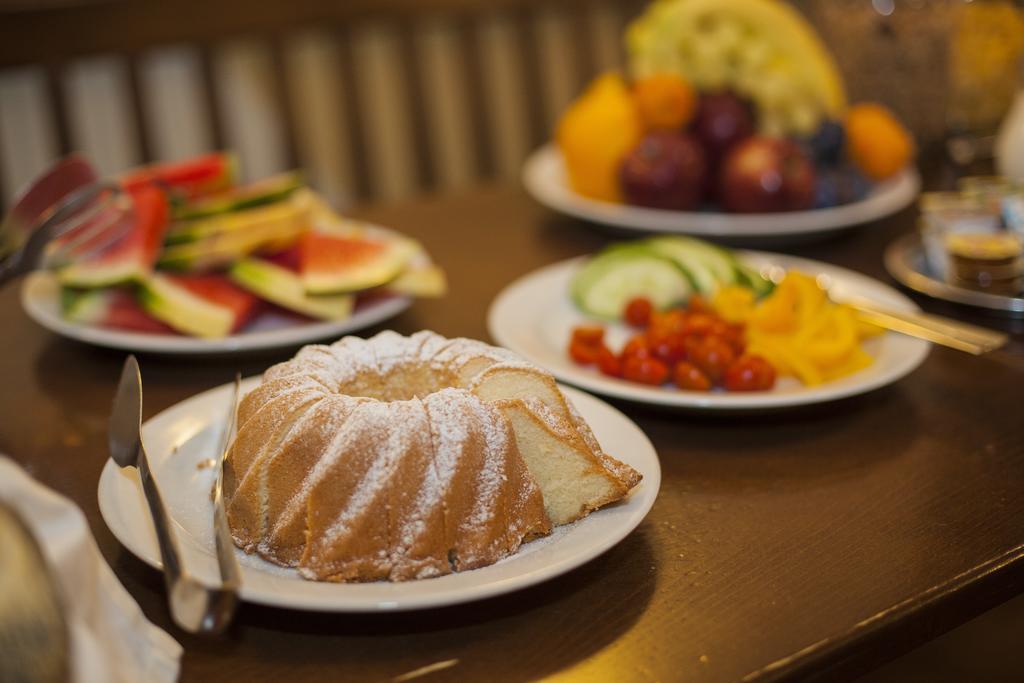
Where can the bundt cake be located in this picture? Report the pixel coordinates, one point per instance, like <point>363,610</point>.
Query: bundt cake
<point>408,457</point>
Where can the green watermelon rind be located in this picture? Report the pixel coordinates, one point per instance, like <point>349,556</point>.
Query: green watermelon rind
<point>84,306</point>
<point>225,248</point>
<point>286,216</point>
<point>97,275</point>
<point>183,310</point>
<point>283,287</point>
<point>378,271</point>
<point>261,193</point>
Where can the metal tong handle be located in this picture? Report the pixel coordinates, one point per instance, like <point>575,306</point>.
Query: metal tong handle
<point>226,560</point>
<point>193,606</point>
<point>951,333</point>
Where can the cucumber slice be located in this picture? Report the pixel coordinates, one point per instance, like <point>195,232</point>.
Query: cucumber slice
<point>752,279</point>
<point>613,277</point>
<point>710,266</point>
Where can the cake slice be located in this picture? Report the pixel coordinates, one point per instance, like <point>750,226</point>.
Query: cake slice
<point>572,479</point>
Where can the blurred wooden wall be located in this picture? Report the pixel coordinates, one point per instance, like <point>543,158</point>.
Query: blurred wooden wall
<point>377,99</point>
<point>376,105</point>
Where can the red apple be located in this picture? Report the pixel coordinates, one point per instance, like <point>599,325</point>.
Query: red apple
<point>763,174</point>
<point>722,120</point>
<point>665,171</point>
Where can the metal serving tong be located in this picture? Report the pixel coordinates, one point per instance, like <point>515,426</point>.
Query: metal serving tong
<point>64,215</point>
<point>945,331</point>
<point>194,607</point>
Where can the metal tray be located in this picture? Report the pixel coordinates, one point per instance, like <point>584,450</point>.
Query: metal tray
<point>905,260</point>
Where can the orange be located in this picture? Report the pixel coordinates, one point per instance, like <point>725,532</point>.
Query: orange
<point>595,133</point>
<point>665,101</point>
<point>876,141</point>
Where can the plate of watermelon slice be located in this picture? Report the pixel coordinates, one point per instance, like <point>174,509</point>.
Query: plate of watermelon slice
<point>212,266</point>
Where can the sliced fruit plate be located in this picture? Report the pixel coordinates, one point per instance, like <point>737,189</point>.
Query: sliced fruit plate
<point>544,177</point>
<point>678,322</point>
<point>730,119</point>
<point>213,266</point>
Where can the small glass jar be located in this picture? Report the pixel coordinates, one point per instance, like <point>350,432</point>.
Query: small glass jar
<point>986,262</point>
<point>948,213</point>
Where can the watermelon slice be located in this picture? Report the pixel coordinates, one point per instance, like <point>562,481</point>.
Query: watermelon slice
<point>288,216</point>
<point>208,306</point>
<point>280,285</point>
<point>423,281</point>
<point>114,307</point>
<point>332,263</point>
<point>131,257</point>
<point>187,179</point>
<point>260,193</point>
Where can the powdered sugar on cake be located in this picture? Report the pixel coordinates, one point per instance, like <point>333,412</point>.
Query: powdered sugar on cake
<point>411,474</point>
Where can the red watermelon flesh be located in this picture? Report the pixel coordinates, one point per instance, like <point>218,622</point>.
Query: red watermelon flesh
<point>219,290</point>
<point>133,255</point>
<point>115,308</point>
<point>335,263</point>
<point>187,179</point>
<point>289,259</point>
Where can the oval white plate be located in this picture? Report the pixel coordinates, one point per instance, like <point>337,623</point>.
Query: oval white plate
<point>545,178</point>
<point>181,437</point>
<point>534,318</point>
<point>40,297</point>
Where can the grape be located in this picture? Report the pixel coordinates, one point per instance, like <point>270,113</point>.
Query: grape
<point>827,143</point>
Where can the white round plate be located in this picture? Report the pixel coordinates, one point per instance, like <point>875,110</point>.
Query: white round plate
<point>40,297</point>
<point>180,438</point>
<point>545,178</point>
<point>534,317</point>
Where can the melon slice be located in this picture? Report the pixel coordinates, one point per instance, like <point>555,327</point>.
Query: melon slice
<point>282,286</point>
<point>331,263</point>
<point>208,306</point>
<point>287,216</point>
<point>131,257</point>
<point>260,193</point>
<point>424,281</point>
<point>113,307</point>
<point>189,178</point>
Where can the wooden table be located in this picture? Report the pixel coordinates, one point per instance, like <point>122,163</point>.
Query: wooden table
<point>821,541</point>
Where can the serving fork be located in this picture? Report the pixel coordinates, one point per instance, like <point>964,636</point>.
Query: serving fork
<point>66,213</point>
<point>194,607</point>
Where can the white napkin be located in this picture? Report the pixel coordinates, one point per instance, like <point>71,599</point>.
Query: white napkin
<point>111,639</point>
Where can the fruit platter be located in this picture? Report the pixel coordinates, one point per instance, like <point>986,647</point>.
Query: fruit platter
<point>676,321</point>
<point>731,120</point>
<point>211,265</point>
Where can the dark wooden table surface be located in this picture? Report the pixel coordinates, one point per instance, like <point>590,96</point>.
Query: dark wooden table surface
<point>821,541</point>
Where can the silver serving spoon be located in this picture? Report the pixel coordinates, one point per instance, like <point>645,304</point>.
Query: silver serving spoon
<point>194,607</point>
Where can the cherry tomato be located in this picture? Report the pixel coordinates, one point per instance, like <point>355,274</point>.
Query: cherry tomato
<point>688,376</point>
<point>750,373</point>
<point>638,311</point>
<point>637,347</point>
<point>691,342</point>
<point>584,354</point>
<point>667,346</point>
<point>588,335</point>
<point>644,370</point>
<point>669,322</point>
<point>608,363</point>
<point>736,335</point>
<point>713,356</point>
<point>699,324</point>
